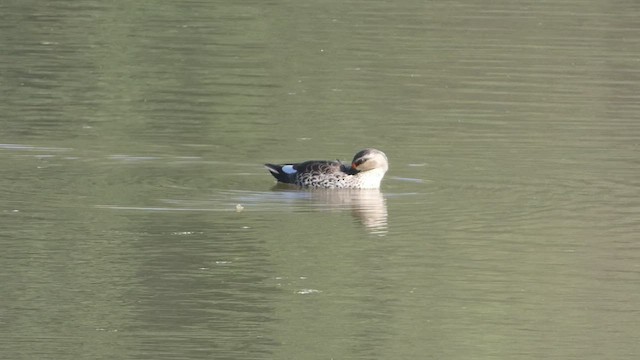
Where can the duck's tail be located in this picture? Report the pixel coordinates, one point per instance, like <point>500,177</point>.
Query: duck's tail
<point>278,173</point>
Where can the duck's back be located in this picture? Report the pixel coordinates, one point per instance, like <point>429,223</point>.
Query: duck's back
<point>314,173</point>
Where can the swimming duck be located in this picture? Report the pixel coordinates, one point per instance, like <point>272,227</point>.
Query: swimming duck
<point>365,172</point>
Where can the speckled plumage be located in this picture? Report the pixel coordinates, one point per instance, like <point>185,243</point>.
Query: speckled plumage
<point>365,172</point>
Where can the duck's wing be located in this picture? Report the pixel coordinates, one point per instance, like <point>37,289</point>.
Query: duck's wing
<point>318,167</point>
<point>289,173</point>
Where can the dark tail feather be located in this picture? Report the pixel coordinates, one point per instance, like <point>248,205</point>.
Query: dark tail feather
<point>276,171</point>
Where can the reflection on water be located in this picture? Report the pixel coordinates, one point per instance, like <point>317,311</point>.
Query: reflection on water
<point>367,206</point>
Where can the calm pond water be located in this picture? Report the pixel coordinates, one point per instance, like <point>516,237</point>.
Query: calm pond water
<point>507,227</point>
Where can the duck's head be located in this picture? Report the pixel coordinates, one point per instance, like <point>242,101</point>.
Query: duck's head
<point>370,159</point>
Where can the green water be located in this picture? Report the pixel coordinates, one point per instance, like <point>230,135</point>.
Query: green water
<point>506,228</point>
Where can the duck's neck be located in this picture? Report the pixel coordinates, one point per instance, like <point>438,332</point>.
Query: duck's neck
<point>371,179</point>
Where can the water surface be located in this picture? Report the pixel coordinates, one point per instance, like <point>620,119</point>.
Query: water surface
<point>506,227</point>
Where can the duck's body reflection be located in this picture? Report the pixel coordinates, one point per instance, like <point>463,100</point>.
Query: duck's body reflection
<point>367,206</point>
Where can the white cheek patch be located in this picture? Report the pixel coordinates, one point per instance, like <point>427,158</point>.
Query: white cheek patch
<point>288,169</point>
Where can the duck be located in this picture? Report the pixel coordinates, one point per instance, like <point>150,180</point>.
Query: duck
<point>365,171</point>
